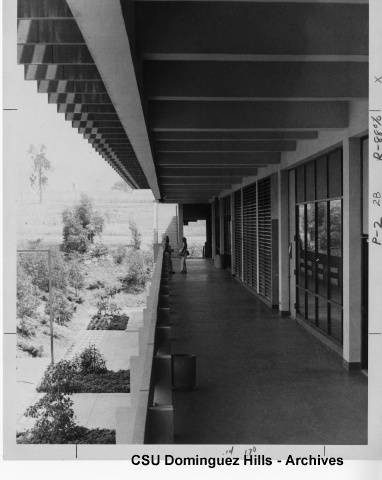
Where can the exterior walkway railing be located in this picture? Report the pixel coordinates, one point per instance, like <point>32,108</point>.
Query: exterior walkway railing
<point>149,419</point>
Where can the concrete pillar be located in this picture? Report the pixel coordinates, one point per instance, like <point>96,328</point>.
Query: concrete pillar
<point>242,237</point>
<point>213,229</point>
<point>275,238</point>
<point>180,222</point>
<point>351,251</point>
<point>155,222</point>
<point>221,225</point>
<point>283,241</point>
<point>292,243</point>
<point>232,233</point>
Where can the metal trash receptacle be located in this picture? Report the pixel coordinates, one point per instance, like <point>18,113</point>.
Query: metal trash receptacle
<point>183,371</point>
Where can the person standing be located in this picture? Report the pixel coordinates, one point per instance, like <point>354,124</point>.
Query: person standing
<point>183,252</point>
<point>167,252</point>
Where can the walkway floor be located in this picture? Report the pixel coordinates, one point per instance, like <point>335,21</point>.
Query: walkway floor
<point>262,378</point>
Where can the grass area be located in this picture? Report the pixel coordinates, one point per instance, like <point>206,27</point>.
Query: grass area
<point>80,434</point>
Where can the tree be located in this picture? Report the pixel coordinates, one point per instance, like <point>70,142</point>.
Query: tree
<point>81,225</point>
<point>135,235</point>
<point>40,167</point>
<point>62,308</point>
<point>54,412</point>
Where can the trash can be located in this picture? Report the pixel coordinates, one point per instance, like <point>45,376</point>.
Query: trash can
<point>183,372</point>
<point>218,261</point>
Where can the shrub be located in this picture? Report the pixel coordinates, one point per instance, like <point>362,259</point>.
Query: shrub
<point>62,308</point>
<point>138,272</point>
<point>59,377</point>
<point>136,237</point>
<point>30,348</point>
<point>76,277</point>
<point>86,373</point>
<point>78,435</point>
<point>108,382</point>
<point>98,250</point>
<point>36,267</point>
<point>26,327</point>
<point>95,285</point>
<point>27,300</point>
<point>95,435</point>
<point>108,322</point>
<point>119,255</point>
<point>80,226</point>
<point>90,361</point>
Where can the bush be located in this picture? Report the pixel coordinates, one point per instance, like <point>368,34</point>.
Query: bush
<point>98,250</point>
<point>59,377</point>
<point>119,255</point>
<point>108,322</point>
<point>26,327</point>
<point>78,435</point>
<point>95,435</point>
<point>76,277</point>
<point>62,308</point>
<point>139,271</point>
<point>30,348</point>
<point>36,267</point>
<point>90,361</point>
<point>95,285</point>
<point>70,377</point>
<point>26,296</point>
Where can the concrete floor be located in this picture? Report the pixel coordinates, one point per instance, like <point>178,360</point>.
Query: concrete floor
<point>262,379</point>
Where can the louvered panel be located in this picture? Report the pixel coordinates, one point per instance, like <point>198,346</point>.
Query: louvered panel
<point>217,226</point>
<point>250,236</point>
<point>265,238</point>
<point>238,233</point>
<point>227,224</point>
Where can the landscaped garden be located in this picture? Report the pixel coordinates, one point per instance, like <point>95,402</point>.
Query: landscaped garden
<point>93,287</point>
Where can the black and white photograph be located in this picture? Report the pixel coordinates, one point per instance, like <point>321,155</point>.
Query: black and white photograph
<point>192,231</point>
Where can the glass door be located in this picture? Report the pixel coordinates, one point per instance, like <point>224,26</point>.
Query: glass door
<point>319,243</point>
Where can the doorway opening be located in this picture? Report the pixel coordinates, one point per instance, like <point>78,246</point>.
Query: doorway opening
<point>196,234</point>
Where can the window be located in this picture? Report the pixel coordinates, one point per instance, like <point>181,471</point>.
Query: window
<point>319,243</point>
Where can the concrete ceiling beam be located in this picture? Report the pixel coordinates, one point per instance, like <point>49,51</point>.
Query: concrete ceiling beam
<point>231,115</point>
<point>174,80</point>
<point>253,28</point>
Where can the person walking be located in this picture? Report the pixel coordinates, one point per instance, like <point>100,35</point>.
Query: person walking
<point>167,252</point>
<point>183,252</point>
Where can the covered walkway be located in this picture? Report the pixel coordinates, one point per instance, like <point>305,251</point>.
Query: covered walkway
<point>262,379</point>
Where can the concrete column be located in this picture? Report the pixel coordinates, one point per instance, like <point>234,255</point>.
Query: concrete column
<point>351,251</point>
<point>242,236</point>
<point>180,222</point>
<point>213,229</point>
<point>232,233</point>
<point>221,225</point>
<point>275,238</point>
<point>292,233</point>
<point>283,241</point>
<point>155,222</point>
